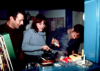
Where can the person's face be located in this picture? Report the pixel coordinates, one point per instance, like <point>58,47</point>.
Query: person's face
<point>18,21</point>
<point>74,35</point>
<point>41,25</point>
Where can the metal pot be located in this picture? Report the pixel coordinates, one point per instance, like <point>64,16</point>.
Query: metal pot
<point>48,60</point>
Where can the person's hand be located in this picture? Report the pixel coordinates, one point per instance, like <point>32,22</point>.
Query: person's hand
<point>45,47</point>
<point>54,40</point>
<point>73,52</point>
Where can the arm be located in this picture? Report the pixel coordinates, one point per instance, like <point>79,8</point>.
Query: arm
<point>29,41</point>
<point>54,35</point>
<point>73,46</point>
<point>50,38</point>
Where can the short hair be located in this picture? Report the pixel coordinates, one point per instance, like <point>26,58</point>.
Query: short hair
<point>14,12</point>
<point>79,28</point>
<point>38,19</point>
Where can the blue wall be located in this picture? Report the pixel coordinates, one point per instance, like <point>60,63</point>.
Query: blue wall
<point>91,30</point>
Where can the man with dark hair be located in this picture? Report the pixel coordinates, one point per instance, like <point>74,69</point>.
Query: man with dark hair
<point>68,39</point>
<point>15,18</point>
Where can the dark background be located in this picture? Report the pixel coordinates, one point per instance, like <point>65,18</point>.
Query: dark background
<point>77,5</point>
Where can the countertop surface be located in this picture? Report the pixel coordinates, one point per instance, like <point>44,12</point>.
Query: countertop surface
<point>70,66</point>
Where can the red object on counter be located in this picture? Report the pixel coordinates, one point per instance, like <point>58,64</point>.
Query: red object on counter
<point>48,61</point>
<point>65,59</point>
<point>69,59</point>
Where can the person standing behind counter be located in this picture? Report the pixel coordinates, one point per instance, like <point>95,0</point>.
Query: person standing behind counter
<point>35,39</point>
<point>15,18</point>
<point>69,39</point>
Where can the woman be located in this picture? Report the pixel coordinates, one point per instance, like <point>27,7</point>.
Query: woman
<point>34,40</point>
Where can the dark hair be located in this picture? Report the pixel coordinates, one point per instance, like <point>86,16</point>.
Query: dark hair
<point>14,12</point>
<point>80,29</point>
<point>38,19</point>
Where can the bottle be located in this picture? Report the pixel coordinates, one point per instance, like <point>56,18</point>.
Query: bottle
<point>56,44</point>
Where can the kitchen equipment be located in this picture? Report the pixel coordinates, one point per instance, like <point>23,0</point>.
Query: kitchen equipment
<point>48,58</point>
<point>47,62</point>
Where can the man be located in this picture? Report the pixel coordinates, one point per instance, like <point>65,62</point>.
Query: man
<point>68,39</point>
<point>15,18</point>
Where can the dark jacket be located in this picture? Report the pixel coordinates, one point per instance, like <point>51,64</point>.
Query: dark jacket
<point>15,35</point>
<point>61,35</point>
